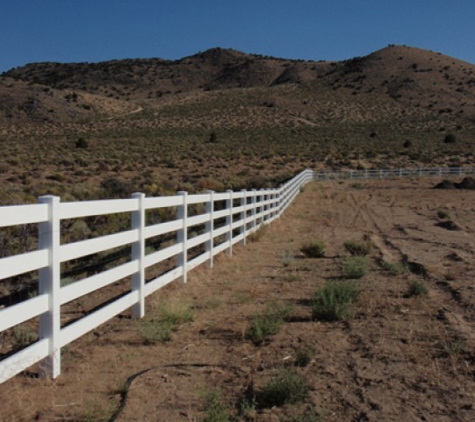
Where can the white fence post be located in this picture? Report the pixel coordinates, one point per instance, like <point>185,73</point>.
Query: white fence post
<point>138,254</point>
<point>182,235</point>
<point>229,221</point>
<point>272,205</point>
<point>244,216</point>
<point>210,228</point>
<point>50,284</point>
<point>253,212</point>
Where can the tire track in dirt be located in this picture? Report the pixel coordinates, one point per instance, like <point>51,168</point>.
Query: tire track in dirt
<point>455,315</point>
<point>387,249</point>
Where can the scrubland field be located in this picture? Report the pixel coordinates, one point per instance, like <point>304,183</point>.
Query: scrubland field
<point>261,337</point>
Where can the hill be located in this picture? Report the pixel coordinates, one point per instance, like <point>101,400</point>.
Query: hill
<point>408,75</point>
<point>224,119</point>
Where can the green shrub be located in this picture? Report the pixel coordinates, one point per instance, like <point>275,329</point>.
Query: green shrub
<point>417,288</point>
<point>355,267</point>
<point>285,387</point>
<point>358,247</point>
<point>314,249</point>
<point>270,323</point>
<point>160,328</point>
<point>287,258</point>
<point>443,214</point>
<point>23,336</point>
<point>215,409</point>
<point>175,312</point>
<point>454,348</point>
<point>334,301</point>
<point>156,331</point>
<point>303,356</point>
<point>395,268</point>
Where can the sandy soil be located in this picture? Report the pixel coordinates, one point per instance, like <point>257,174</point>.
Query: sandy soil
<point>398,358</point>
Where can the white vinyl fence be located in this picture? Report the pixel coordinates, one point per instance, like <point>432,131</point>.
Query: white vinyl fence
<point>393,173</point>
<point>226,218</point>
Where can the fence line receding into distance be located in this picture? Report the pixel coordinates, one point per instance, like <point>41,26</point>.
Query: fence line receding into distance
<point>218,221</point>
<point>205,225</point>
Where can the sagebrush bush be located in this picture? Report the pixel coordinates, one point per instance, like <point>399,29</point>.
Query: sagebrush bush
<point>167,317</point>
<point>355,267</point>
<point>270,323</point>
<point>395,268</point>
<point>303,356</point>
<point>416,288</point>
<point>443,214</point>
<point>315,249</point>
<point>285,387</point>
<point>334,301</point>
<point>358,247</point>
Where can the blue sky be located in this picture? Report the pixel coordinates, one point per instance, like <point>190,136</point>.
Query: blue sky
<point>97,30</point>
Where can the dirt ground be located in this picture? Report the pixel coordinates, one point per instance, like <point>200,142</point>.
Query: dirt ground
<point>398,358</point>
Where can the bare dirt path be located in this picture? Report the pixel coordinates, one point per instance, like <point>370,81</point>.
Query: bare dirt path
<point>398,358</point>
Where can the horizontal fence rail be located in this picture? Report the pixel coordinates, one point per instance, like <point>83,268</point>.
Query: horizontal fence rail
<point>393,173</point>
<point>222,220</point>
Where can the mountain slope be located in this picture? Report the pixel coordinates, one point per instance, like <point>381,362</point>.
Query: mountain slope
<point>398,90</point>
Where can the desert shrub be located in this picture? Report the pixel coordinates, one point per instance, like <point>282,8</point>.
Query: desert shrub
<point>175,312</point>
<point>303,356</point>
<point>334,301</point>
<point>285,387</point>
<point>287,258</point>
<point>115,188</point>
<point>416,288</point>
<point>23,336</point>
<point>358,247</point>
<point>450,138</point>
<point>355,267</point>
<point>213,138</point>
<point>258,234</point>
<point>156,331</point>
<point>315,249</point>
<point>82,143</point>
<point>443,214</point>
<point>395,268</point>
<point>215,409</point>
<point>454,348</point>
<point>270,323</point>
<point>165,321</point>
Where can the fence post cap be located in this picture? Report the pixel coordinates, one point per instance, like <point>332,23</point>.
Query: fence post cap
<point>48,198</point>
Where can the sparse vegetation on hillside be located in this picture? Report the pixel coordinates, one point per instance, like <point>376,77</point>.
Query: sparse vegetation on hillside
<point>169,125</point>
